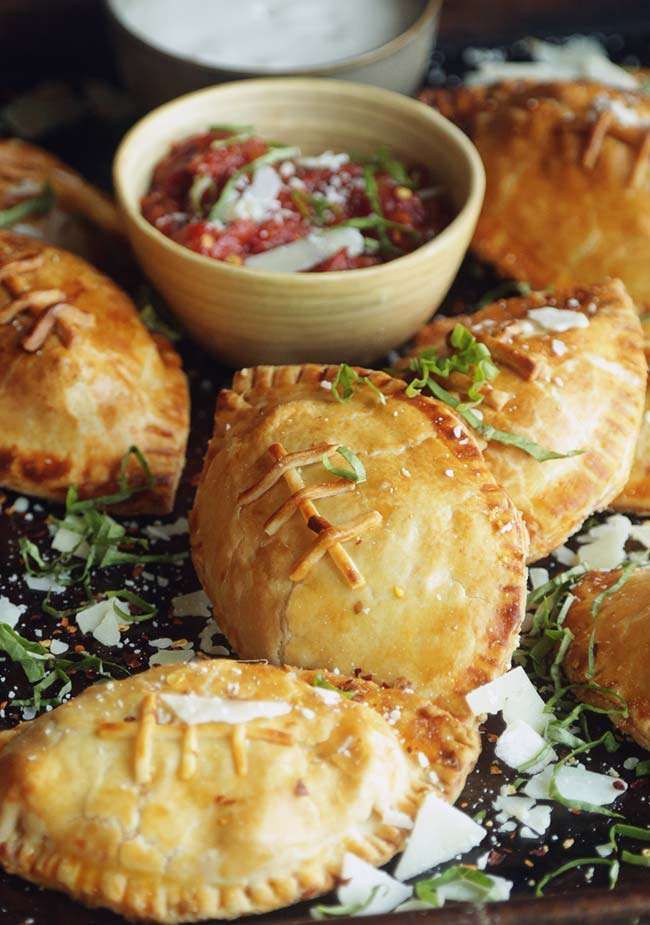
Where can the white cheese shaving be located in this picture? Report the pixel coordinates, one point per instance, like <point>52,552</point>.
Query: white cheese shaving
<point>519,743</point>
<point>603,547</point>
<point>538,577</point>
<point>308,252</point>
<point>514,695</point>
<point>557,320</point>
<point>258,200</point>
<point>578,58</point>
<point>10,613</point>
<point>439,834</point>
<point>166,531</point>
<point>576,783</point>
<point>43,583</point>
<point>194,604</point>
<point>102,621</point>
<point>641,533</point>
<point>194,709</point>
<point>65,540</point>
<point>564,555</point>
<point>327,160</point>
<point>206,640</point>
<point>171,656</point>
<point>57,647</point>
<point>398,819</point>
<point>523,809</point>
<point>360,879</point>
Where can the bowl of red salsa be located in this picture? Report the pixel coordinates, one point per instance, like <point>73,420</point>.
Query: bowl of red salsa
<point>295,219</point>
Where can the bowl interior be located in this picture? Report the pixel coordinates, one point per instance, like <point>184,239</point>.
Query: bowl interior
<point>317,115</point>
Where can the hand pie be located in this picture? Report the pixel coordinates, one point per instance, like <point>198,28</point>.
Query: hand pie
<point>67,211</point>
<point>568,180</point>
<point>415,574</point>
<point>571,377</point>
<point>636,494</point>
<point>220,789</point>
<point>82,380</point>
<point>621,646</point>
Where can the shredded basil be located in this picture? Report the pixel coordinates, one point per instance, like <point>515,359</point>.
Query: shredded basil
<point>320,681</point>
<point>356,474</point>
<point>326,912</point>
<point>482,884</point>
<point>40,204</point>
<point>580,862</point>
<point>346,378</point>
<point>200,186</point>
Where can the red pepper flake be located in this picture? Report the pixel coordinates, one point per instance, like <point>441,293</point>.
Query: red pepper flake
<point>495,769</point>
<point>618,785</point>
<point>300,789</point>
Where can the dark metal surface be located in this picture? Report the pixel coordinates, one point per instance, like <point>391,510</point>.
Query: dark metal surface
<point>574,899</point>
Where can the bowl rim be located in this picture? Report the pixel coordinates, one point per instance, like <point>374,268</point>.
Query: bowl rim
<point>430,9</point>
<point>463,144</point>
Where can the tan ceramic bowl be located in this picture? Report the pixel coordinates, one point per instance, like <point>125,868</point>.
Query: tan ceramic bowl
<point>246,316</point>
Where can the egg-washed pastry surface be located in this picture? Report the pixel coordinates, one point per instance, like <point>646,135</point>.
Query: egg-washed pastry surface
<point>611,617</point>
<point>636,494</point>
<point>42,197</point>
<point>568,180</point>
<point>572,377</point>
<point>81,381</point>
<point>220,788</point>
<point>413,572</point>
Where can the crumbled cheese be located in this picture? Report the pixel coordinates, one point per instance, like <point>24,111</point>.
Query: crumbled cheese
<point>308,252</point>
<point>194,604</point>
<point>439,834</point>
<point>10,613</point>
<point>558,347</point>
<point>547,318</point>
<point>328,160</point>
<point>258,201</point>
<point>523,809</point>
<point>194,709</point>
<point>514,695</point>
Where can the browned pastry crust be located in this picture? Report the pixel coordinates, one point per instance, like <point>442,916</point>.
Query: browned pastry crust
<point>568,184</point>
<point>636,494</point>
<point>82,380</point>
<point>415,574</point>
<point>622,646</point>
<point>581,389</point>
<point>120,801</point>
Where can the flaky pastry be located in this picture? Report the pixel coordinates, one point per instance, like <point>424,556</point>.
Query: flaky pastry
<point>568,180</point>
<point>81,381</point>
<point>219,789</point>
<point>579,389</point>
<point>636,494</point>
<point>415,574</point>
<point>621,647</point>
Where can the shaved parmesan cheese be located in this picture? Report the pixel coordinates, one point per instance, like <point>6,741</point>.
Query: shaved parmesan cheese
<point>206,640</point>
<point>514,695</point>
<point>579,57</point>
<point>166,531</point>
<point>306,253</point>
<point>360,879</point>
<point>603,547</point>
<point>519,744</point>
<point>102,621</point>
<point>163,643</point>
<point>564,556</point>
<point>194,604</point>
<point>439,834</point>
<point>10,613</point>
<point>194,709</point>
<point>398,819</point>
<point>57,647</point>
<point>65,540</point>
<point>576,783</point>
<point>524,810</point>
<point>258,201</point>
<point>538,577</point>
<point>43,583</point>
<point>547,318</point>
<point>171,656</point>
<point>464,891</point>
<point>641,533</point>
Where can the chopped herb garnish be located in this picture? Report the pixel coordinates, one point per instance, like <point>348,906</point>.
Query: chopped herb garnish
<point>320,681</point>
<point>200,186</point>
<point>37,205</point>
<point>613,865</point>
<point>233,128</point>
<point>151,318</point>
<point>356,474</point>
<point>326,912</point>
<point>345,380</point>
<point>480,885</point>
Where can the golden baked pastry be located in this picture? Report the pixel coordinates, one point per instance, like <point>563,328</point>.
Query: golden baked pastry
<point>578,389</point>
<point>568,180</point>
<point>636,494</point>
<point>415,573</point>
<point>81,381</point>
<point>220,788</point>
<point>42,197</point>
<point>621,646</point>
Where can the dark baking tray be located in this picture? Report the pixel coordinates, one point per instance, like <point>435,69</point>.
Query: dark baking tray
<point>571,900</point>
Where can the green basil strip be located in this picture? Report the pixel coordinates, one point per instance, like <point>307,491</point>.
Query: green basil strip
<point>42,203</point>
<point>270,157</point>
<point>578,862</point>
<point>356,474</point>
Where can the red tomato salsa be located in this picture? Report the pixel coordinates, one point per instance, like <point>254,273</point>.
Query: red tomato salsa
<point>230,195</point>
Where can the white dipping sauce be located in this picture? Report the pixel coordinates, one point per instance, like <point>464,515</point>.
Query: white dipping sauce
<point>274,35</point>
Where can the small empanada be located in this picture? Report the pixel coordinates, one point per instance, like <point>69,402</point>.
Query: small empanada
<point>78,217</point>
<point>581,389</point>
<point>81,381</point>
<point>636,494</point>
<point>622,647</point>
<point>416,573</point>
<point>220,788</point>
<point>568,180</point>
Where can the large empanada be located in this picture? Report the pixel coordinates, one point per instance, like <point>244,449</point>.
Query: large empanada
<point>415,574</point>
<point>636,494</point>
<point>81,381</point>
<point>220,788</point>
<point>68,211</point>
<point>621,647</point>
<point>578,389</point>
<point>568,180</point>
